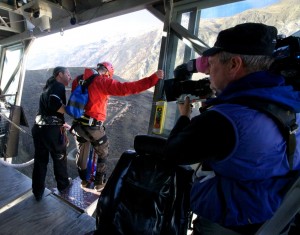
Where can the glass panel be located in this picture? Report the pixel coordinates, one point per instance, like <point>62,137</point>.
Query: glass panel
<point>185,17</point>
<point>172,111</point>
<point>214,19</point>
<point>269,12</point>
<point>11,72</point>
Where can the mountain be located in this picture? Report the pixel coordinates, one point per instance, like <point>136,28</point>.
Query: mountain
<point>137,57</point>
<point>132,58</point>
<point>284,15</point>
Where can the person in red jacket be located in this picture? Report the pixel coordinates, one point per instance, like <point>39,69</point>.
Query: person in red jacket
<point>89,128</point>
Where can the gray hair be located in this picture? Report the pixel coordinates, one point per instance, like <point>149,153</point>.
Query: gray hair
<point>252,63</point>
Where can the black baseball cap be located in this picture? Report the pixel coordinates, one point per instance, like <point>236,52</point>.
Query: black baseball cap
<point>246,39</point>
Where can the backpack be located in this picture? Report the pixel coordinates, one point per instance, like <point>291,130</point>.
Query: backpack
<point>145,194</point>
<point>79,97</point>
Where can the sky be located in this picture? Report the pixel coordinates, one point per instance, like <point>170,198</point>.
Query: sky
<point>225,10</point>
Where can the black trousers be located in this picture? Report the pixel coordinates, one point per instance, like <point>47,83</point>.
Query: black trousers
<point>49,139</point>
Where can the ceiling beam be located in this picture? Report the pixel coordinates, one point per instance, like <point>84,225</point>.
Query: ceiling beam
<point>189,39</point>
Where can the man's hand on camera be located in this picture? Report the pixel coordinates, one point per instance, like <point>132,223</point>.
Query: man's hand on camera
<point>185,109</point>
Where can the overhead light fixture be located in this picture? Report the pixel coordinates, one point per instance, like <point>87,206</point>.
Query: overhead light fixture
<point>38,13</point>
<point>21,2</point>
<point>42,17</point>
<point>44,24</point>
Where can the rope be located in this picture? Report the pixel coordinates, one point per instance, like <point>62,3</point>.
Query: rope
<point>21,165</point>
<point>18,127</point>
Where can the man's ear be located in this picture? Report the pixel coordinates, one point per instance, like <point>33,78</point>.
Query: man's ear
<point>60,74</point>
<point>236,62</point>
<point>235,65</point>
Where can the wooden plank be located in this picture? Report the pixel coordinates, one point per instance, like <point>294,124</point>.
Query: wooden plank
<point>48,216</point>
<point>13,184</point>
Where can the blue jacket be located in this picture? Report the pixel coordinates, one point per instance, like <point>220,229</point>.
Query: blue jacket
<point>250,182</point>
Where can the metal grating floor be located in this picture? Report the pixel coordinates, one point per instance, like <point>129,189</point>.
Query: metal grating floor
<point>84,199</point>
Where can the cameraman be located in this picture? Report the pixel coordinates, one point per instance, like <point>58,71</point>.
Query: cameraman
<point>242,146</point>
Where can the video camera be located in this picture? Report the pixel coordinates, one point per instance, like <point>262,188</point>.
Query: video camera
<point>287,60</point>
<point>287,64</point>
<point>182,85</point>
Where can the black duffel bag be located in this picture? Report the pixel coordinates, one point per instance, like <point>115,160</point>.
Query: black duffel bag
<point>145,195</point>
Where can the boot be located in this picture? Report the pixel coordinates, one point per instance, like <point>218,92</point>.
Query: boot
<point>100,180</point>
<point>82,176</point>
<point>84,183</point>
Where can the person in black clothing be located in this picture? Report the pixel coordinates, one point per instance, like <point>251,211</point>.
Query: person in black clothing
<point>242,146</point>
<point>49,133</point>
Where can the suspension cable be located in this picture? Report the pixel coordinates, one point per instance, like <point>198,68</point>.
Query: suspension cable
<point>15,125</point>
<point>14,165</point>
<point>21,165</point>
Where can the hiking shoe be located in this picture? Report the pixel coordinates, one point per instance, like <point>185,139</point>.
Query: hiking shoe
<point>70,183</point>
<point>99,187</point>
<point>84,183</point>
<point>100,180</point>
<point>38,197</point>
